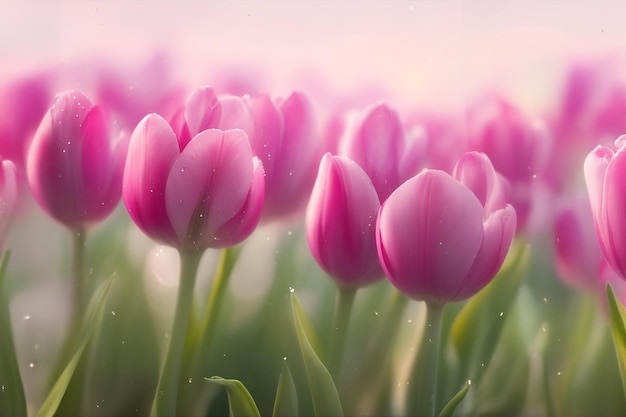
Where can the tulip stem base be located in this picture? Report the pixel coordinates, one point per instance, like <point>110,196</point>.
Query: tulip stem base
<point>422,399</point>
<point>165,400</point>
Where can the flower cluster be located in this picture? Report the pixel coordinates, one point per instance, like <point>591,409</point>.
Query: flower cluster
<point>451,243</point>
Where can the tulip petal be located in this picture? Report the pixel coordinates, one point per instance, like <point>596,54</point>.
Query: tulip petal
<point>245,221</point>
<point>499,230</point>
<point>595,170</point>
<point>268,134</point>
<point>429,233</point>
<point>614,205</point>
<point>152,150</point>
<point>202,111</point>
<point>97,165</point>
<point>208,184</point>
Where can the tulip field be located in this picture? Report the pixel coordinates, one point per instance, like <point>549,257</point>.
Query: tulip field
<point>312,209</point>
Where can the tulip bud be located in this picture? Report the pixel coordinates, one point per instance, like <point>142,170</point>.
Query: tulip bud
<point>435,241</point>
<point>73,169</point>
<point>285,140</point>
<point>340,221</point>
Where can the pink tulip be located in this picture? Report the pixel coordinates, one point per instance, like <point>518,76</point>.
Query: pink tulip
<point>285,139</point>
<point>437,242</point>
<point>340,221</point>
<point>518,147</point>
<point>73,169</point>
<point>24,102</point>
<point>206,194</point>
<point>605,173</point>
<point>206,110</point>
<point>377,142</point>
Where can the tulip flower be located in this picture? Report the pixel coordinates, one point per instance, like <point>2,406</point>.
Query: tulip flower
<point>340,221</point>
<point>604,175</point>
<point>207,195</point>
<point>285,140</point>
<point>578,257</point>
<point>204,109</point>
<point>378,143</point>
<point>24,101</point>
<point>518,146</point>
<point>73,169</point>
<point>433,219</point>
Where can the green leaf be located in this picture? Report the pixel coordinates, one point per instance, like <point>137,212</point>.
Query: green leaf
<point>324,394</point>
<point>476,330</point>
<point>240,401</point>
<point>618,330</point>
<point>286,403</point>
<point>451,406</point>
<point>93,316</point>
<point>12,398</point>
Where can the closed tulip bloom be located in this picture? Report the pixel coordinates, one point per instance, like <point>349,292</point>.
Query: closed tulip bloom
<point>207,194</point>
<point>377,142</point>
<point>578,258</point>
<point>436,241</point>
<point>73,168</point>
<point>285,139</point>
<point>340,222</point>
<point>605,171</point>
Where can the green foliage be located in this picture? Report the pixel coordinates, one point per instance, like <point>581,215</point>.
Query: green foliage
<point>324,394</point>
<point>89,327</point>
<point>286,402</point>
<point>12,399</point>
<point>240,401</point>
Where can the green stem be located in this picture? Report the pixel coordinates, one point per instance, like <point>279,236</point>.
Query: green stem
<point>78,272</point>
<point>339,329</point>
<point>424,376</point>
<point>216,297</point>
<point>167,391</point>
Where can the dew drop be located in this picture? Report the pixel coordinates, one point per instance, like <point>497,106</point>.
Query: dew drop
<point>182,169</point>
<point>112,312</point>
<point>27,317</point>
<point>284,358</point>
<point>190,380</point>
<point>292,290</point>
<point>31,365</point>
<point>376,312</point>
<point>501,313</point>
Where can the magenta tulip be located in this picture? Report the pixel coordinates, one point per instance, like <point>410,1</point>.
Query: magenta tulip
<point>377,142</point>
<point>285,139</point>
<point>206,194</point>
<point>437,242</point>
<point>340,221</point>
<point>605,173</point>
<point>206,110</point>
<point>517,145</point>
<point>73,168</point>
